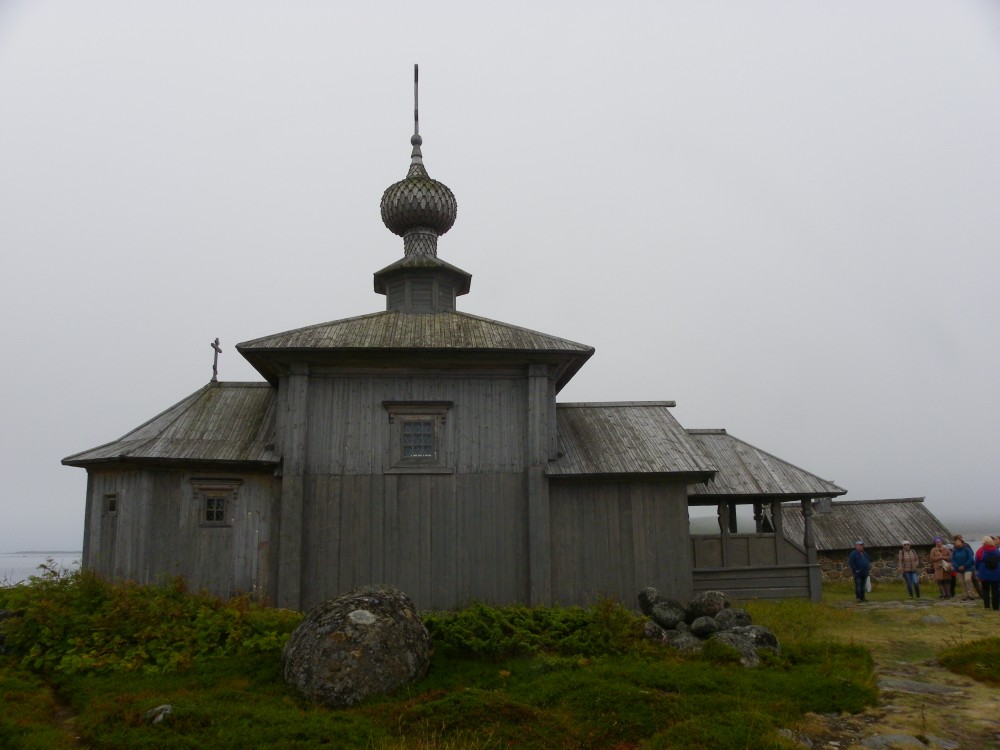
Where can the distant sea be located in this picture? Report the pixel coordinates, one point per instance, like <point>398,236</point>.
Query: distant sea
<point>18,566</point>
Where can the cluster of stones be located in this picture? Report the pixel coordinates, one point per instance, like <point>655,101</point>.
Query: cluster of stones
<point>709,616</point>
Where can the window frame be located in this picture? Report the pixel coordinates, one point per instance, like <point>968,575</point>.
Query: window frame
<point>207,493</point>
<point>402,413</point>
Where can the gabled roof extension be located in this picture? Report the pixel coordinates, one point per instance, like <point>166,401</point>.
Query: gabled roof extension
<point>230,423</point>
<point>394,333</point>
<point>879,523</point>
<point>746,473</point>
<point>627,438</point>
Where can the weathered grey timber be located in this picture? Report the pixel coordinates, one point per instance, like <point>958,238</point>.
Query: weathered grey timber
<point>768,563</point>
<point>882,524</point>
<point>424,448</point>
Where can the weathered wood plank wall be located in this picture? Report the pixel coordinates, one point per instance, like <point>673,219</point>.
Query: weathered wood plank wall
<point>445,538</point>
<point>158,530</point>
<point>745,550</point>
<point>791,581</point>
<point>611,539</point>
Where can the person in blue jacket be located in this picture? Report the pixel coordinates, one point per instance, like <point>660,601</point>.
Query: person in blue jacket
<point>963,563</point>
<point>988,568</point>
<point>860,567</point>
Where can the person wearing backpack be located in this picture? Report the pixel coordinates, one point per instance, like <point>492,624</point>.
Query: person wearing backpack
<point>988,570</point>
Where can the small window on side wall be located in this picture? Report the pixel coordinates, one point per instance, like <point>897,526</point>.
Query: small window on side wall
<point>418,438</point>
<point>215,500</point>
<point>111,503</point>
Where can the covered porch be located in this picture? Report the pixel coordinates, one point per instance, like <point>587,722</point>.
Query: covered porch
<point>764,564</point>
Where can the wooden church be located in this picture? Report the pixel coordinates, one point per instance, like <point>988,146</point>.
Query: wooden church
<point>425,447</point>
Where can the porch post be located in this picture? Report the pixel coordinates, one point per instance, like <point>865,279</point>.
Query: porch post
<point>779,532</point>
<point>815,575</point>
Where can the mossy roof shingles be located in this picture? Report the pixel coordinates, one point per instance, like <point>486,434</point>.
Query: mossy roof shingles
<point>220,423</point>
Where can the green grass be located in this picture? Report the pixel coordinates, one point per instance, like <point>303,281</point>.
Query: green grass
<point>508,677</point>
<point>978,659</point>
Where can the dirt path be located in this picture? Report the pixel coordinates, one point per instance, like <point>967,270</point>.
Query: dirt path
<point>923,705</point>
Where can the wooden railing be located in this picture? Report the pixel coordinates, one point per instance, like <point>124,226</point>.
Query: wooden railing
<point>753,566</point>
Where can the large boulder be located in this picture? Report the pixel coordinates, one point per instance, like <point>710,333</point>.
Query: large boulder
<point>364,643</point>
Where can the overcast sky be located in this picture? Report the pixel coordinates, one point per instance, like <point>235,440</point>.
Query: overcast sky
<point>783,215</point>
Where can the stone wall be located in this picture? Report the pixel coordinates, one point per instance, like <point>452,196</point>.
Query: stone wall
<point>833,565</point>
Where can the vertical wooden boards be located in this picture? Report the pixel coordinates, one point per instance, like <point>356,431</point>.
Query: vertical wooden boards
<point>446,540</point>
<point>611,539</point>
<point>349,429</point>
<point>157,530</point>
<point>294,409</point>
<point>539,514</point>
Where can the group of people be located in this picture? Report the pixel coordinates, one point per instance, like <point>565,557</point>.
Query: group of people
<point>978,573</point>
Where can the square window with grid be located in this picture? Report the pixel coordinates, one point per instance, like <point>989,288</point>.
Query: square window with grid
<point>215,501</point>
<point>215,509</point>
<point>418,439</point>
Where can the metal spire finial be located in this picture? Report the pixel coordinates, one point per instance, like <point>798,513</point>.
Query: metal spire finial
<point>416,157</point>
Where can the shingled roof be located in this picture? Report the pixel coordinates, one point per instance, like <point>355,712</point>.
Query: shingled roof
<point>625,438</point>
<point>879,523</point>
<point>745,473</point>
<point>392,333</point>
<point>221,423</point>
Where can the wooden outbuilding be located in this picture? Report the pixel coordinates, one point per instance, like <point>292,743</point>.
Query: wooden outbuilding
<point>883,525</point>
<point>424,447</point>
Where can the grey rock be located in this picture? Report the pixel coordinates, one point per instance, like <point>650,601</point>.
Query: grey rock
<point>883,741</point>
<point>942,743</point>
<point>158,714</point>
<point>707,604</point>
<point>913,686</point>
<point>649,598</point>
<point>703,627</point>
<point>667,614</point>
<point>683,641</point>
<point>653,632</point>
<point>759,636</point>
<point>367,642</point>
<point>933,620</point>
<point>733,618</point>
<point>743,644</point>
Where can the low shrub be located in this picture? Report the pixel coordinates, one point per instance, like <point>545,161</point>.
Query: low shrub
<point>495,632</point>
<point>77,622</point>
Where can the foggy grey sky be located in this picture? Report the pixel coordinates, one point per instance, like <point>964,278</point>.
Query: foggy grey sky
<point>782,215</point>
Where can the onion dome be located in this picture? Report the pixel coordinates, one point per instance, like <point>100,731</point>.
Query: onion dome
<point>417,208</point>
<point>418,200</point>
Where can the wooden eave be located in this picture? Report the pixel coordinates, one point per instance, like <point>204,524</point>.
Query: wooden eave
<point>427,263</point>
<point>426,340</point>
<point>747,474</point>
